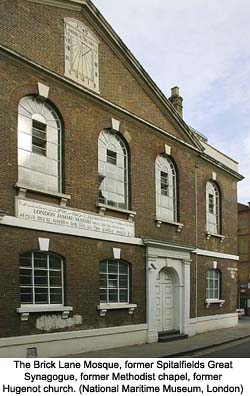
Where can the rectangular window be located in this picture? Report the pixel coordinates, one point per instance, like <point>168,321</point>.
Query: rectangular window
<point>164,184</point>
<point>213,285</point>
<point>211,203</point>
<point>39,137</point>
<point>111,157</point>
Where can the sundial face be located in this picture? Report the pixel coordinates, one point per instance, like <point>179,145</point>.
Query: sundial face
<point>81,55</point>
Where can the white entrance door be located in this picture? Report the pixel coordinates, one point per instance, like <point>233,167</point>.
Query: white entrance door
<point>164,301</point>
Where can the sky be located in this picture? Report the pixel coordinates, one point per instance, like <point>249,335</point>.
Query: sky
<point>203,47</point>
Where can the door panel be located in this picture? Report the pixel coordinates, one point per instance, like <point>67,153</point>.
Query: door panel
<point>164,301</point>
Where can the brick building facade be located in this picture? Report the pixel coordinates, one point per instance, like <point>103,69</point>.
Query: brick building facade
<point>244,257</point>
<point>118,220</point>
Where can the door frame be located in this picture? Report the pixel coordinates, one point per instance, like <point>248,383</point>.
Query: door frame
<point>177,258</point>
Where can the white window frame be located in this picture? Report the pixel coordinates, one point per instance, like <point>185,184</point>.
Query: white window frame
<point>166,204</point>
<point>113,174</point>
<point>107,273</point>
<point>213,276</point>
<point>213,220</point>
<point>37,170</point>
<point>48,287</point>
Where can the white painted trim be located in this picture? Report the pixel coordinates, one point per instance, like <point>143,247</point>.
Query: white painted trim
<point>44,192</point>
<point>115,124</point>
<point>211,322</point>
<point>116,306</point>
<point>66,335</point>
<point>44,244</point>
<point>73,342</point>
<point>43,308</point>
<point>43,90</point>
<point>33,225</point>
<point>116,253</point>
<point>210,253</point>
<point>115,209</point>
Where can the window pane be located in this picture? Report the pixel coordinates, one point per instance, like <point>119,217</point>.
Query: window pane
<point>39,137</point>
<point>103,266</point>
<point>123,268</point>
<point>26,296</point>
<point>103,281</point>
<point>123,281</point>
<point>55,278</point>
<point>164,183</point>
<point>113,267</point>
<point>41,280</point>
<point>112,281</point>
<point>25,260</point>
<point>103,296</point>
<point>40,262</point>
<point>111,157</point>
<point>113,295</point>
<point>123,295</point>
<point>25,277</point>
<point>41,295</point>
<point>55,262</point>
<point>55,296</point>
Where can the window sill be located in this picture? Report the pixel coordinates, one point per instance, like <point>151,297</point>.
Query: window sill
<point>211,234</point>
<point>25,310</point>
<point>103,207</point>
<point>159,221</point>
<point>23,188</point>
<point>105,307</point>
<point>210,301</point>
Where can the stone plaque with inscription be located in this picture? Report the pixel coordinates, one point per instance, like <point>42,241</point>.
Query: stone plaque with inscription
<point>65,217</point>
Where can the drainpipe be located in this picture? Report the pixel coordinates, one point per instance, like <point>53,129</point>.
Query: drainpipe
<point>196,237</point>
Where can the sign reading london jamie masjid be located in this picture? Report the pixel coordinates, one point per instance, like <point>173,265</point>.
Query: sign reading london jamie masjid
<point>60,216</point>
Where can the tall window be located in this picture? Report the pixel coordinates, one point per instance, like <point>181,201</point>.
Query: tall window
<point>41,278</point>
<point>166,194</point>
<point>213,208</point>
<point>114,281</point>
<point>39,145</point>
<point>213,284</point>
<point>112,170</point>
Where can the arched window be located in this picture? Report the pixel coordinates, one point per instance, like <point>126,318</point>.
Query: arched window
<point>114,281</point>
<point>213,208</point>
<point>166,194</point>
<point>213,284</point>
<point>112,170</point>
<point>39,145</point>
<point>41,278</point>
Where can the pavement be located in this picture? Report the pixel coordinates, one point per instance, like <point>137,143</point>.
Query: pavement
<point>177,348</point>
